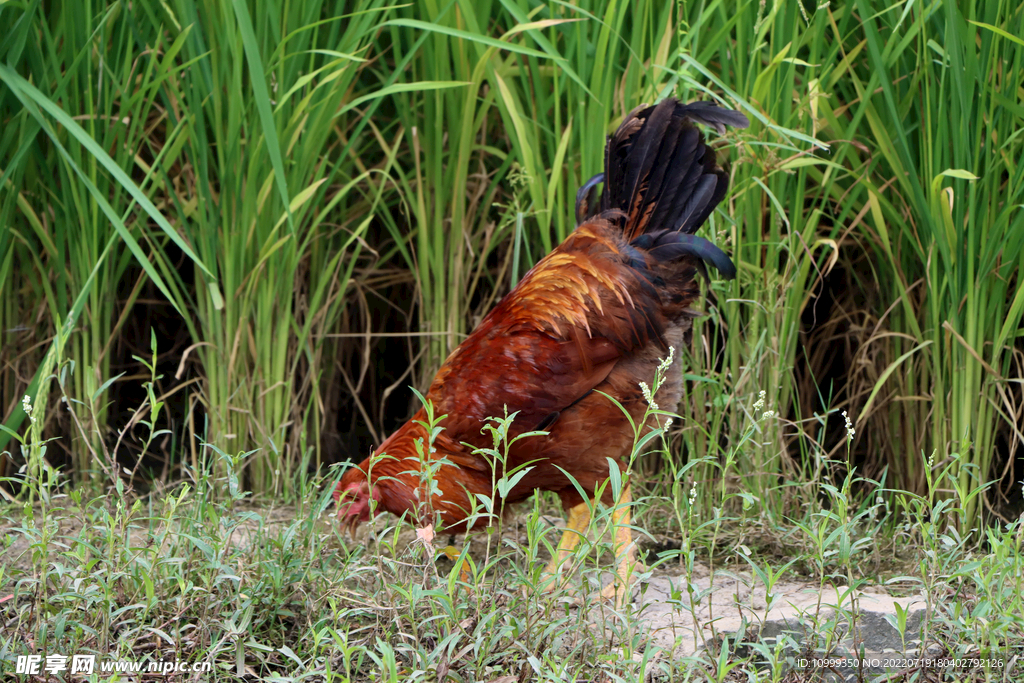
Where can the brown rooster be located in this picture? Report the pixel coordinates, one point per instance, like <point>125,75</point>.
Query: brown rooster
<point>592,319</point>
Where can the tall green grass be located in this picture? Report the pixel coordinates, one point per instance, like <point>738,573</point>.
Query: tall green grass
<point>781,225</point>
<point>265,186</point>
<point>950,218</point>
<point>73,169</point>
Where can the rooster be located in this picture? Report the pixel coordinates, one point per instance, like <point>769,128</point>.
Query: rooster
<point>591,320</point>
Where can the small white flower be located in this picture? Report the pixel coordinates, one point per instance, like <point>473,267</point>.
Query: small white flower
<point>767,414</point>
<point>26,405</point>
<point>760,400</point>
<point>668,424</point>
<point>646,390</point>
<point>693,493</point>
<point>665,363</point>
<point>850,431</point>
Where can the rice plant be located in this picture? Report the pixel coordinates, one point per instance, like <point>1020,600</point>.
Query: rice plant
<point>945,195</point>
<point>80,215</point>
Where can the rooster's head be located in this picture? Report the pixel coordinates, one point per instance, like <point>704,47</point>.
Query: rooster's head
<point>353,497</point>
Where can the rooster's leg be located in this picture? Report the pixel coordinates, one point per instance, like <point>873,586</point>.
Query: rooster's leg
<point>575,527</point>
<point>629,567</point>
